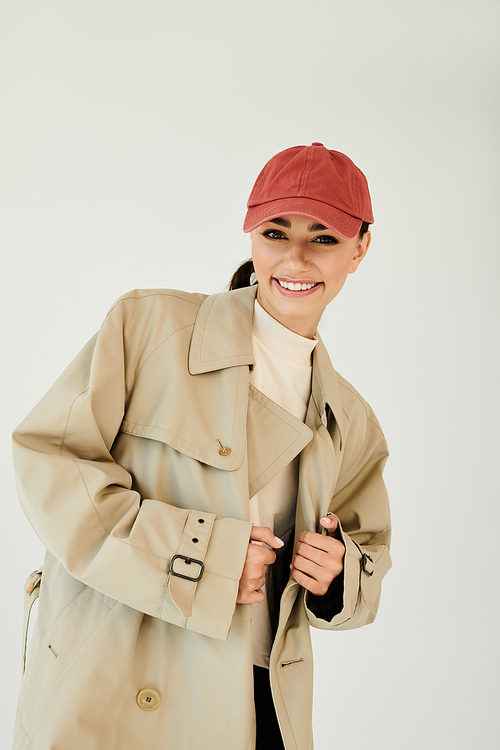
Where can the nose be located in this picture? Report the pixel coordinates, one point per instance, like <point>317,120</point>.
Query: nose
<point>297,258</point>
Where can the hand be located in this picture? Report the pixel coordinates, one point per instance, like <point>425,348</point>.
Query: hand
<point>318,559</point>
<point>254,570</point>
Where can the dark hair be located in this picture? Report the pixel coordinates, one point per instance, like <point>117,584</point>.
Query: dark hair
<point>363,229</point>
<point>241,276</point>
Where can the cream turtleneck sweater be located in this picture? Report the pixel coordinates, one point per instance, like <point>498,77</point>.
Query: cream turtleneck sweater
<point>282,372</point>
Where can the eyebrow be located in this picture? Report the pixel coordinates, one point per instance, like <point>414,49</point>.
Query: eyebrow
<point>285,223</point>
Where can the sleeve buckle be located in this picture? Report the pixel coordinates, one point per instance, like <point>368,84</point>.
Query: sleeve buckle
<point>187,561</point>
<point>364,562</point>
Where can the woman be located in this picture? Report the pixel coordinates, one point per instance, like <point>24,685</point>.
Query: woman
<point>207,487</point>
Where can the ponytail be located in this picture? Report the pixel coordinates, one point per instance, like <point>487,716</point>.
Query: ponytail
<point>241,276</point>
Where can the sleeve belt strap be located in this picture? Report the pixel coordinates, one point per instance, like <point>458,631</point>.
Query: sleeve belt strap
<point>191,551</point>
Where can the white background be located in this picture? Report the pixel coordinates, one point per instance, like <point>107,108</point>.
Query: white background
<point>132,133</point>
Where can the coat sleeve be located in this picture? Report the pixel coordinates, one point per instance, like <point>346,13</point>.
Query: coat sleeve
<point>361,504</point>
<point>82,505</point>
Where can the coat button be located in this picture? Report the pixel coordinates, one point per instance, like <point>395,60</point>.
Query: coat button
<point>223,450</point>
<point>148,699</point>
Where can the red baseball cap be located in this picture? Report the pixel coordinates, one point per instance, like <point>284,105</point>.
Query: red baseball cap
<point>311,181</point>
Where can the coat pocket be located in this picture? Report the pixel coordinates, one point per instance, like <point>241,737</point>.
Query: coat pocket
<point>64,639</point>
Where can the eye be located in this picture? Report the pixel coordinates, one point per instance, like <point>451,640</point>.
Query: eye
<point>274,234</point>
<point>326,239</point>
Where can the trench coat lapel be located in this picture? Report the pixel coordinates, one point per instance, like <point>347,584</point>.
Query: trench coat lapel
<point>325,389</point>
<point>320,460</point>
<point>266,457</point>
<point>222,339</point>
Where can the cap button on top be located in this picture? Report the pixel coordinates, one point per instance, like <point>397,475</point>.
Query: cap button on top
<point>316,143</point>
<point>148,699</point>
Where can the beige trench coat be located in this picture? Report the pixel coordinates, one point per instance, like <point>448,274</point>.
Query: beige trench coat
<point>147,447</point>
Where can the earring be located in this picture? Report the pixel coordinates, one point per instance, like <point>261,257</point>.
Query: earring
<point>253,279</point>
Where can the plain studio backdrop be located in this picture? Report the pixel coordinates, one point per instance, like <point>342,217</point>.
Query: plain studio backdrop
<point>132,133</point>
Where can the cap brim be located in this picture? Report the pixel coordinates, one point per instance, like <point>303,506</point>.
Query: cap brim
<point>340,223</point>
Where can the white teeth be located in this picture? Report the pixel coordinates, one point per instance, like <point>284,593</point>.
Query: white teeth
<point>295,287</point>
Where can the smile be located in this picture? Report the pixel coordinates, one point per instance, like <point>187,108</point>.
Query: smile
<point>295,287</point>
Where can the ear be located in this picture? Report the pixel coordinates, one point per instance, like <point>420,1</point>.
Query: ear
<point>361,250</point>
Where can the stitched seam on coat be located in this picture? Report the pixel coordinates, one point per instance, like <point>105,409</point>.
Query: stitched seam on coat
<point>329,444</point>
<point>387,526</point>
<point>363,404</point>
<point>239,388</point>
<point>38,657</point>
<point>63,439</point>
<point>164,594</point>
<point>375,425</point>
<point>74,654</point>
<point>165,293</point>
<point>155,427</point>
<point>265,406</point>
<point>255,479</point>
<point>109,533</point>
<point>299,436</point>
<point>286,712</point>
<point>344,488</point>
<point>90,497</point>
<point>162,602</point>
<point>346,415</point>
<point>174,333</point>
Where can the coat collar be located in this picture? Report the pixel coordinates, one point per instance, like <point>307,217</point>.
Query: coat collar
<point>222,337</point>
<point>222,333</point>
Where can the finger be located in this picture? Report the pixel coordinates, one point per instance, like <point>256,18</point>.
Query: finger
<point>318,556</point>
<point>331,555</point>
<point>331,525</point>
<point>264,534</point>
<point>257,554</point>
<point>318,578</point>
<point>326,568</point>
<point>319,572</point>
<point>250,597</point>
<point>320,541</point>
<point>252,583</point>
<point>309,568</point>
<point>308,583</point>
<point>256,597</point>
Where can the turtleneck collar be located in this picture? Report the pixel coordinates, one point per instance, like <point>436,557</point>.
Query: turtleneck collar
<point>280,339</point>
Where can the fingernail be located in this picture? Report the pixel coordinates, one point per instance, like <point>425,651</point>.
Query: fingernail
<point>291,566</point>
<point>328,520</point>
<point>279,541</point>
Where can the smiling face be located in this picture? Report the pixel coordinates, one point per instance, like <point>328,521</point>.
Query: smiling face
<point>301,266</point>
